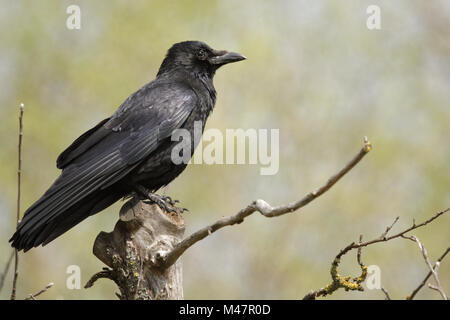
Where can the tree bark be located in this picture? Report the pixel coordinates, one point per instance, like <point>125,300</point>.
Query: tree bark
<point>142,235</point>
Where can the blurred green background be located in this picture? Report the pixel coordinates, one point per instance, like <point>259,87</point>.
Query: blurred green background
<point>314,71</point>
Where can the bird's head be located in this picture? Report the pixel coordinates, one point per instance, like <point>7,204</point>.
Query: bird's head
<point>197,57</point>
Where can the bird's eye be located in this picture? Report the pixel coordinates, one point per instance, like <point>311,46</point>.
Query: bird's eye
<point>201,54</point>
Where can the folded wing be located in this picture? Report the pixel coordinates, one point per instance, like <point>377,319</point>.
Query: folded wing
<point>103,156</point>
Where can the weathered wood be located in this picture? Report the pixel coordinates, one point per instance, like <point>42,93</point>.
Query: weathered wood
<point>143,233</point>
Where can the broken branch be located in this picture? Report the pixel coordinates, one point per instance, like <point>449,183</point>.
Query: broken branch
<point>262,207</point>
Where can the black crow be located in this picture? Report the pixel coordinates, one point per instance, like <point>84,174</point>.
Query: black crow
<point>130,151</point>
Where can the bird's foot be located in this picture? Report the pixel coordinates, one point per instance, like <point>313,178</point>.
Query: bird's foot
<point>164,202</point>
<point>169,200</point>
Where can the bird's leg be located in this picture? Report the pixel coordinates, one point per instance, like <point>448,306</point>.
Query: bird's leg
<point>164,202</point>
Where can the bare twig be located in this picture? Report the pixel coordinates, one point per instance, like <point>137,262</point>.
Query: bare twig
<point>438,261</point>
<point>343,282</point>
<point>105,273</point>
<point>384,234</point>
<point>5,271</point>
<point>384,238</point>
<point>338,281</point>
<point>433,269</point>
<point>19,173</point>
<point>437,288</point>
<point>386,293</point>
<point>262,207</point>
<point>358,255</point>
<point>33,296</point>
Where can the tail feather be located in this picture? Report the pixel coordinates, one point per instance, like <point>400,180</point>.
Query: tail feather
<point>44,231</point>
<point>62,195</point>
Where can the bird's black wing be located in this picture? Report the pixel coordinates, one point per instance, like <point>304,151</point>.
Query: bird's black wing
<point>82,144</point>
<point>107,153</point>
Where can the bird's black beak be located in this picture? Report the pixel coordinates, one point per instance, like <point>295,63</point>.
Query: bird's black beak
<point>224,57</point>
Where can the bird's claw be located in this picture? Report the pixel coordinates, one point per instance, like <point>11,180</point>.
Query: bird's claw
<point>164,202</point>
<point>170,200</point>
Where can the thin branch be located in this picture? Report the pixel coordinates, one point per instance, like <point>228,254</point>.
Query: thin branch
<point>19,173</point>
<point>384,238</point>
<point>384,234</point>
<point>358,255</point>
<point>262,207</point>
<point>33,296</point>
<point>438,261</point>
<point>338,281</point>
<point>5,271</point>
<point>343,282</point>
<point>105,273</point>
<point>386,293</point>
<point>436,288</point>
<point>433,269</point>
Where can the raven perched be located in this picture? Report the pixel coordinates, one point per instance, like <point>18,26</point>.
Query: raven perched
<point>130,151</point>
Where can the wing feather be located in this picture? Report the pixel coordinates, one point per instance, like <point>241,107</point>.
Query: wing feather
<point>108,152</point>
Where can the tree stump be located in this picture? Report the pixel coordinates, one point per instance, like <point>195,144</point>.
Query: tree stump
<point>143,233</point>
